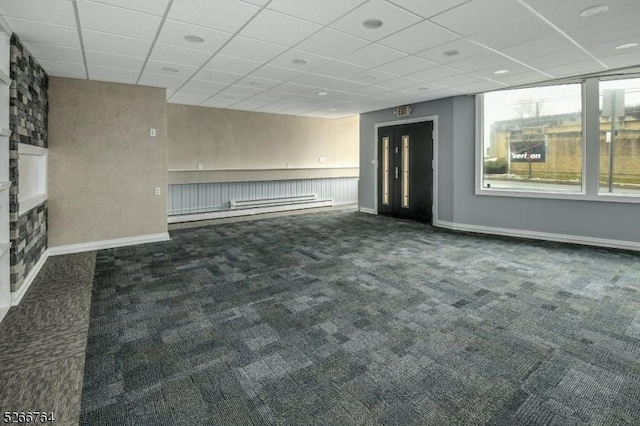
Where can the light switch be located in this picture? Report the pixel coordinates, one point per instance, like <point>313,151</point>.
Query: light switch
<point>152,133</point>
<point>323,159</point>
<point>157,191</point>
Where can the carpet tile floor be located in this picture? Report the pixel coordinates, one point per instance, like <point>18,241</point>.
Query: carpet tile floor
<point>342,318</point>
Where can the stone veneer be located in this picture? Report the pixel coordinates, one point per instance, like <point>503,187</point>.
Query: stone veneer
<point>28,120</point>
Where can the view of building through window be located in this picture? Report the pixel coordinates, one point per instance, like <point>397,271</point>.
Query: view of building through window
<point>533,139</point>
<point>620,135</point>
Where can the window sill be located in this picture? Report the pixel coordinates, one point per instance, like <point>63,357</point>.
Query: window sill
<point>574,196</point>
<point>31,202</point>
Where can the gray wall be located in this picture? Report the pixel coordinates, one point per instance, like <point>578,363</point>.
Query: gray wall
<point>28,119</point>
<point>443,108</point>
<point>459,204</point>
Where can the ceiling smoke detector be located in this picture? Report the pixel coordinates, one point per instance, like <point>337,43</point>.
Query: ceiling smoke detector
<point>450,53</point>
<point>169,69</point>
<point>300,61</point>
<point>594,11</point>
<point>194,39</point>
<point>372,24</point>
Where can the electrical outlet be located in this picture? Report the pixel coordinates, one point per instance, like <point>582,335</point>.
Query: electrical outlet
<point>200,166</point>
<point>323,159</point>
<point>152,133</point>
<point>157,191</point>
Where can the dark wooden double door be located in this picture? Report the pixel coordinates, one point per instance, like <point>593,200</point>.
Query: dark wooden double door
<point>405,173</point>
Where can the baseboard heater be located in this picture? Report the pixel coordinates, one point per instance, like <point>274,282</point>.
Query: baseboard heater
<point>256,206</point>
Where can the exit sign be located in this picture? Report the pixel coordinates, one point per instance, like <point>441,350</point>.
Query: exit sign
<point>403,111</point>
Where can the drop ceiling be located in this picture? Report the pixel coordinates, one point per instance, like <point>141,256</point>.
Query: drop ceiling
<point>315,57</point>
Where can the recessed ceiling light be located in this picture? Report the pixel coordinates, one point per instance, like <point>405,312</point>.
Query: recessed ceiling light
<point>194,38</point>
<point>372,24</point>
<point>169,69</point>
<point>594,11</point>
<point>501,72</point>
<point>299,61</point>
<point>626,46</point>
<point>451,53</point>
<point>423,88</point>
<point>322,93</point>
<point>369,77</point>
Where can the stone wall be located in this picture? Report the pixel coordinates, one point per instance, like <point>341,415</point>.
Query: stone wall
<point>28,120</point>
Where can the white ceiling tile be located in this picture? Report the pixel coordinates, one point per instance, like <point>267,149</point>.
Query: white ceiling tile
<point>102,59</point>
<point>257,82</point>
<point>161,80</point>
<point>177,55</point>
<point>181,99</point>
<point>459,80</point>
<point>231,97</point>
<point>257,2</point>
<point>512,67</point>
<point>251,104</point>
<point>331,43</point>
<point>294,89</point>
<point>174,32</point>
<point>59,35</point>
<point>275,95</point>
<point>157,67</point>
<point>540,5</point>
<point>514,79</point>
<point>246,48</point>
<point>371,90</point>
<point>56,53</point>
<point>480,86</point>
<point>436,73</point>
<point>63,69</point>
<point>623,27</point>
<point>338,69</point>
<point>372,76</point>
<point>318,11</point>
<point>276,28</point>
<point>423,88</point>
<point>323,83</point>
<point>520,31</point>
<point>114,20</point>
<point>540,47</point>
<point>116,75</point>
<point>566,15</point>
<point>477,15</point>
<point>114,44</point>
<point>419,37</point>
<point>287,60</point>
<point>575,68</point>
<point>210,86</point>
<point>217,102</point>
<point>407,65</point>
<point>622,59</point>
<point>372,56</point>
<point>566,57</point>
<point>52,12</point>
<point>482,61</point>
<point>194,93</point>
<point>394,19</point>
<point>276,73</point>
<point>231,64</point>
<point>207,74</point>
<point>427,9</point>
<point>153,7</point>
<point>465,49</point>
<point>224,15</point>
<point>242,91</point>
<point>399,83</point>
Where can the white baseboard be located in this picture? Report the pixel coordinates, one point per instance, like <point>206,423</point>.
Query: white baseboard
<point>16,296</point>
<point>245,212</point>
<point>366,210</point>
<point>107,244</point>
<point>546,236</point>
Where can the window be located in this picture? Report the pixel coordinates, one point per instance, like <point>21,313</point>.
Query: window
<point>532,139</point>
<point>620,137</point>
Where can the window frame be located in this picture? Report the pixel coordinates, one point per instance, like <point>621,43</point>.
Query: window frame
<point>590,92</point>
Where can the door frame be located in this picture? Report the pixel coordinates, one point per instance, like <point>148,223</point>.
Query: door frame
<point>434,119</point>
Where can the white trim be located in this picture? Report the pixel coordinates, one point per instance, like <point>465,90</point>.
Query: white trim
<point>16,296</point>
<point>546,236</point>
<point>107,244</point>
<point>30,203</point>
<point>5,131</point>
<point>4,248</point>
<point>434,119</point>
<point>245,212</point>
<point>366,210</point>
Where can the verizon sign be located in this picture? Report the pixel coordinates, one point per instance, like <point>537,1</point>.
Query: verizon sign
<point>528,152</point>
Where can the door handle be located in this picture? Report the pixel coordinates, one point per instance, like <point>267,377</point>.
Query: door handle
<point>397,172</point>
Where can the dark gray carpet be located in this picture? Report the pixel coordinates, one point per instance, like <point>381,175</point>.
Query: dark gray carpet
<point>43,341</point>
<point>343,318</point>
